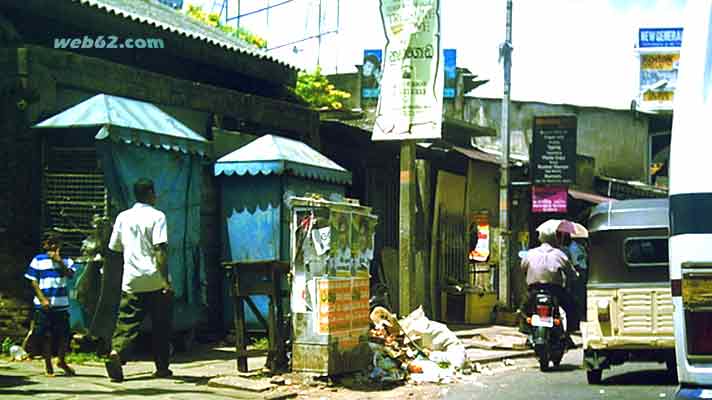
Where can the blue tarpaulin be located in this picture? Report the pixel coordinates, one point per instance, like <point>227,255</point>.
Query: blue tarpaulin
<point>177,181</point>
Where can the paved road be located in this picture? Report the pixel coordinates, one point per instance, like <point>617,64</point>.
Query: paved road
<point>524,381</point>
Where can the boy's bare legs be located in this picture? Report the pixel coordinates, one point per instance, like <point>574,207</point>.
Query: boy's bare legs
<point>61,352</point>
<point>47,355</point>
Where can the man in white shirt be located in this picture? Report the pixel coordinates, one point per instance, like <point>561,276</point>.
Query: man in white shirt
<point>140,233</point>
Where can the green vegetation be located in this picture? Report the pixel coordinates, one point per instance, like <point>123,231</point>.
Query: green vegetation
<point>260,344</point>
<point>212,19</point>
<point>5,345</point>
<point>315,89</point>
<point>81,358</point>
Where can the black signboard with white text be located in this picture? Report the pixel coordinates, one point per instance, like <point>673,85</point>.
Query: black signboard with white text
<point>554,150</point>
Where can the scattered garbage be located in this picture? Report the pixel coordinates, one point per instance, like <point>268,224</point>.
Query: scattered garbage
<point>413,347</point>
<point>17,353</point>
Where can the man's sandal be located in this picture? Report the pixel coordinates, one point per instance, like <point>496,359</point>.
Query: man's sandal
<point>68,371</point>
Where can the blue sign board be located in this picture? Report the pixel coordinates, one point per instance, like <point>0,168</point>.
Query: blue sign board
<point>659,37</point>
<point>371,72</point>
<point>450,56</point>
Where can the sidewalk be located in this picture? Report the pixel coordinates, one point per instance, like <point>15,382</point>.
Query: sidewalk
<point>193,371</point>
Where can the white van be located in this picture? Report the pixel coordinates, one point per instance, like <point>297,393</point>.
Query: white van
<point>691,205</point>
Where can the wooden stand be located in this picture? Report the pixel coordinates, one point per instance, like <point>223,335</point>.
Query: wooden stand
<point>264,279</point>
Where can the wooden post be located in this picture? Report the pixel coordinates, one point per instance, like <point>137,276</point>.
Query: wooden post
<point>407,227</point>
<point>239,313</point>
<point>434,254</point>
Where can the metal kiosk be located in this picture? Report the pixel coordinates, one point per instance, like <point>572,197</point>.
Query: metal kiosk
<point>332,248</point>
<point>254,182</point>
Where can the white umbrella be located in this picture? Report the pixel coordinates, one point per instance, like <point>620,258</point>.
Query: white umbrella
<point>580,231</point>
<point>551,226</point>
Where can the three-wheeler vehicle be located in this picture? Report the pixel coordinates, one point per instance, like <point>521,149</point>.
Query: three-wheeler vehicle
<point>629,303</point>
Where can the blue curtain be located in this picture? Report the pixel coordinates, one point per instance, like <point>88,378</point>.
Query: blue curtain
<point>177,180</point>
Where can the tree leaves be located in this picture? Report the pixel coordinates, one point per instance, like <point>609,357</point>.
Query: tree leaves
<point>213,19</point>
<point>316,90</point>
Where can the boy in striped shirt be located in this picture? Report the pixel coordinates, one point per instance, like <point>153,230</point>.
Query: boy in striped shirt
<point>48,274</point>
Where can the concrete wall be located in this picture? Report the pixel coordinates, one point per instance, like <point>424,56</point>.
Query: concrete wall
<point>616,139</point>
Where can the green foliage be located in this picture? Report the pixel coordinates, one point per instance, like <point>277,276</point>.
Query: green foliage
<point>315,89</point>
<point>81,358</point>
<point>261,343</point>
<point>212,19</point>
<point>5,345</point>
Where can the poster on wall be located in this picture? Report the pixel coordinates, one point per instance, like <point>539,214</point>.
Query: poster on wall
<point>659,51</point>
<point>371,73</point>
<point>480,237</point>
<point>411,98</point>
<point>450,57</point>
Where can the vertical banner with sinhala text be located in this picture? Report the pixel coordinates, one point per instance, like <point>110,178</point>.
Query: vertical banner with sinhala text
<point>411,98</point>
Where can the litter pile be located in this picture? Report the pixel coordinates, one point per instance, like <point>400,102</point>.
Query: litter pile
<point>414,347</point>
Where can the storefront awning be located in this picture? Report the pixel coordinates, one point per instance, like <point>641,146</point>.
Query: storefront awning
<point>277,155</point>
<point>589,197</point>
<point>130,121</point>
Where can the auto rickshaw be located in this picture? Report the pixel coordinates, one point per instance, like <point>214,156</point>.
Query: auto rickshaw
<point>629,303</point>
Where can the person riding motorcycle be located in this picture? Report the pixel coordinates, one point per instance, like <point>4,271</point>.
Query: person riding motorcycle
<point>546,267</point>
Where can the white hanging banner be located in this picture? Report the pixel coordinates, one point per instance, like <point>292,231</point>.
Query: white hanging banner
<point>411,100</point>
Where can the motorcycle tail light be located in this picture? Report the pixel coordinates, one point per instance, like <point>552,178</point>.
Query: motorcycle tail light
<point>543,311</point>
<point>698,326</point>
<point>557,321</point>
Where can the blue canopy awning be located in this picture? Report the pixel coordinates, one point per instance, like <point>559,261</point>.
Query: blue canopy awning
<point>130,121</point>
<point>277,155</point>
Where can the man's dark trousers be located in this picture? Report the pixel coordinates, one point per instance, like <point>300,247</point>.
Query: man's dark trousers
<point>132,311</point>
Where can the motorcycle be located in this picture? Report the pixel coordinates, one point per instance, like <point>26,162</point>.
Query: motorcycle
<point>547,329</point>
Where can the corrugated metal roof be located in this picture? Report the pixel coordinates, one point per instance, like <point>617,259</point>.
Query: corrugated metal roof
<point>488,156</point>
<point>589,197</point>
<point>167,19</point>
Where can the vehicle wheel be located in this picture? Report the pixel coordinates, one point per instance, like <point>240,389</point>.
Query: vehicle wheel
<point>671,366</point>
<point>594,376</point>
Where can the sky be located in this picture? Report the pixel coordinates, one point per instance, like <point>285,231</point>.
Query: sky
<point>565,51</point>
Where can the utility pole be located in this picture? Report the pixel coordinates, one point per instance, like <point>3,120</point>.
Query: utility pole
<point>505,236</point>
<point>406,242</point>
